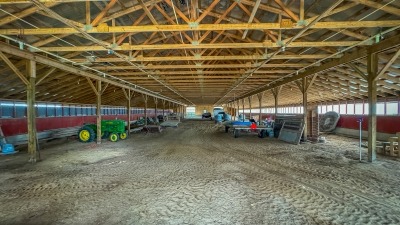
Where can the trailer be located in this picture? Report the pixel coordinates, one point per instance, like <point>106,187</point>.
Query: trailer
<point>262,131</point>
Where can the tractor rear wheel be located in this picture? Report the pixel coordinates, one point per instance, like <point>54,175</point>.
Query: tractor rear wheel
<point>114,137</point>
<point>86,134</point>
<point>123,135</point>
<point>105,134</point>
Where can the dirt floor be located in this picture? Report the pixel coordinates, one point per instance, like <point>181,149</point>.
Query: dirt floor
<point>198,174</point>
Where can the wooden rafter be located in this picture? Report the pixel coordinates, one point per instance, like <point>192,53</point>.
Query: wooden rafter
<point>201,27</point>
<point>263,45</point>
<point>253,13</point>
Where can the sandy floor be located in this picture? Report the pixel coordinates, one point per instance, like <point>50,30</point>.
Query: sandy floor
<point>198,174</point>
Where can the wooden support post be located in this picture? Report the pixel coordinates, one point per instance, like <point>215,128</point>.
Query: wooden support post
<point>145,98</point>
<point>169,106</point>
<point>163,109</point>
<point>304,91</point>
<point>275,93</point>
<point>129,111</point>
<point>250,116</point>
<point>181,107</point>
<point>231,109</point>
<point>243,108</point>
<point>31,91</point>
<point>98,107</point>
<point>128,96</point>
<point>175,106</point>
<point>238,105</point>
<point>372,67</point>
<point>155,108</point>
<point>98,91</point>
<point>260,95</point>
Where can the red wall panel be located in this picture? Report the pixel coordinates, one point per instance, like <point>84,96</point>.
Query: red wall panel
<point>16,126</point>
<point>13,126</point>
<point>384,124</point>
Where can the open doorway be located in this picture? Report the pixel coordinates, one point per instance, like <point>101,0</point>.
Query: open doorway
<point>190,112</point>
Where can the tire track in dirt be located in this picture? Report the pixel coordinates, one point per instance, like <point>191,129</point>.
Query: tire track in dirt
<point>198,174</point>
<point>334,192</point>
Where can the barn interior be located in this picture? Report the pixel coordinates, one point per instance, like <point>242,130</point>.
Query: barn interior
<point>151,70</point>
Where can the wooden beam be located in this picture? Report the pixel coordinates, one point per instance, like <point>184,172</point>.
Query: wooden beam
<point>202,66</point>
<point>104,88</point>
<point>148,13</point>
<point>299,85</point>
<point>287,10</point>
<point>206,58</point>
<point>222,73</point>
<point>263,45</point>
<point>46,74</point>
<point>23,13</point>
<point>253,13</point>
<point>208,10</point>
<point>103,20</point>
<point>386,8</point>
<point>125,93</point>
<point>349,57</point>
<point>358,71</point>
<point>216,23</point>
<point>388,64</point>
<point>265,7</point>
<point>301,10</point>
<point>13,68</point>
<point>101,15</point>
<point>92,86</point>
<point>311,82</point>
<point>88,18</point>
<point>178,11</point>
<point>201,27</point>
<point>53,63</point>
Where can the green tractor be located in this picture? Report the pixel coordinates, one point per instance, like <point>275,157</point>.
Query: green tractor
<point>112,129</point>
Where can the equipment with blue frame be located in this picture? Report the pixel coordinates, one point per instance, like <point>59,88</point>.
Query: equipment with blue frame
<point>218,118</point>
<point>6,149</point>
<point>246,126</point>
